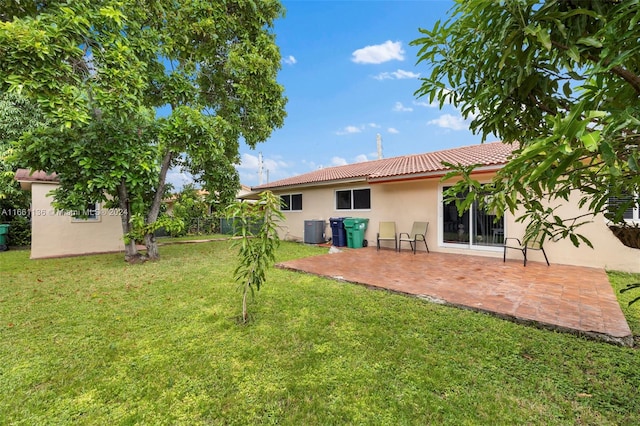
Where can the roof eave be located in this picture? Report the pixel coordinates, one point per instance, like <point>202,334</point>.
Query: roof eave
<point>309,184</point>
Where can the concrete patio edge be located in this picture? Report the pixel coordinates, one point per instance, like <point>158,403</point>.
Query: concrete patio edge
<point>591,309</point>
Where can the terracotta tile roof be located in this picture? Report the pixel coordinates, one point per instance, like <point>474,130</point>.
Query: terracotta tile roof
<point>25,175</point>
<point>408,166</point>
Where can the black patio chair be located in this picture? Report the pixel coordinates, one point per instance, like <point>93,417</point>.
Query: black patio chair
<point>418,233</point>
<point>533,244</point>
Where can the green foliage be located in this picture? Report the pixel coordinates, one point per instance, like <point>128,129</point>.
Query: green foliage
<point>19,231</point>
<point>561,81</point>
<point>98,70</point>
<point>140,228</point>
<point>188,206</point>
<point>257,248</point>
<point>17,115</point>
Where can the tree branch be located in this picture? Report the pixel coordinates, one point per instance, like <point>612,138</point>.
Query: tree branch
<point>625,74</point>
<point>157,199</point>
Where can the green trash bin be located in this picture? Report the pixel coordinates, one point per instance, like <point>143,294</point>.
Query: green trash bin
<point>4,230</point>
<point>355,227</point>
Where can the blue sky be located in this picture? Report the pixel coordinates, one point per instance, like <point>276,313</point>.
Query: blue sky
<point>349,73</point>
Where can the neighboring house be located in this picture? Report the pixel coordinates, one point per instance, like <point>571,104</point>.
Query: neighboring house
<point>57,234</point>
<point>409,188</point>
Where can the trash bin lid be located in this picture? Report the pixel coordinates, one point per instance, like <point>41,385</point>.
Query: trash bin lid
<point>353,221</point>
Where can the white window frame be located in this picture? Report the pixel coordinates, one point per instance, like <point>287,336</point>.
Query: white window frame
<point>335,199</point>
<point>291,209</point>
<point>461,246</point>
<point>94,219</point>
<point>635,213</point>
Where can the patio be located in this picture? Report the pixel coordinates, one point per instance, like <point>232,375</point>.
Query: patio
<point>560,297</point>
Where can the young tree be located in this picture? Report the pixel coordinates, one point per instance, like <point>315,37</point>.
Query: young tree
<point>561,79</point>
<point>257,226</point>
<point>100,69</point>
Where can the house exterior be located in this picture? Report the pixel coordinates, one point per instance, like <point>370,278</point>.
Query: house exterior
<point>409,188</point>
<point>58,234</point>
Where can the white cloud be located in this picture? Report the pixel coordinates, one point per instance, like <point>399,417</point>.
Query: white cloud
<point>448,121</point>
<point>393,130</point>
<point>397,75</point>
<point>426,104</point>
<point>338,161</point>
<point>361,158</point>
<point>273,169</point>
<point>248,162</point>
<point>311,165</point>
<point>178,179</point>
<point>399,107</point>
<point>290,60</point>
<point>379,53</point>
<point>374,125</point>
<point>350,130</point>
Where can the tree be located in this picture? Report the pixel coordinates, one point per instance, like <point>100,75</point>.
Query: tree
<point>256,226</point>
<point>561,79</point>
<point>189,207</point>
<point>100,69</point>
<point>17,115</point>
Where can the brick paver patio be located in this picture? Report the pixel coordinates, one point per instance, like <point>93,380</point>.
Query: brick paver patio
<point>568,298</point>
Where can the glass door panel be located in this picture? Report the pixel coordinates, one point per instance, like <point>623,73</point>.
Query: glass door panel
<point>476,227</point>
<point>455,228</point>
<point>486,231</point>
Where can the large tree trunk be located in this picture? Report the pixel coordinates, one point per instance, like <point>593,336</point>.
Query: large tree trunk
<point>152,247</point>
<point>150,239</point>
<point>130,251</point>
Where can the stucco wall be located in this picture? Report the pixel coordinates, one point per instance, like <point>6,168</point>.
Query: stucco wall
<point>608,252</point>
<point>420,200</point>
<point>55,235</point>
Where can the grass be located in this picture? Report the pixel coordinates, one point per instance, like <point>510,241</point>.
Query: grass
<point>620,280</point>
<point>169,240</point>
<point>93,340</point>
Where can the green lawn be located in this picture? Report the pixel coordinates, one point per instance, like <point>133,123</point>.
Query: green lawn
<point>93,340</point>
<point>620,280</point>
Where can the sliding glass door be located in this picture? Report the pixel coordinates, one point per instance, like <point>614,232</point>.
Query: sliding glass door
<point>473,228</point>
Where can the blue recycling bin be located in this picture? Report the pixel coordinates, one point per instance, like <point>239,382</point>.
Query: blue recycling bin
<point>338,233</point>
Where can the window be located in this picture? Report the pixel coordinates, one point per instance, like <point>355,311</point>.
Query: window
<point>91,213</point>
<point>475,228</point>
<point>631,212</point>
<point>353,199</point>
<point>291,202</point>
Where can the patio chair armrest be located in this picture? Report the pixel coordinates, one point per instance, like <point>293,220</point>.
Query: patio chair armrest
<point>512,238</point>
<point>404,233</point>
